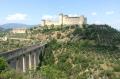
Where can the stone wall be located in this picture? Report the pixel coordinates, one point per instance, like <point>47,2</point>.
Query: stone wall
<point>66,20</point>
<point>18,30</point>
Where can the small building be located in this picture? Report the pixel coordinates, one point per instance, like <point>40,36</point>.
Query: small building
<point>66,20</point>
<point>3,38</point>
<point>19,30</point>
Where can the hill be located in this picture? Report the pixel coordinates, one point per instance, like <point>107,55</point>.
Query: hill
<point>103,35</point>
<point>72,52</point>
<point>91,53</point>
<point>15,25</point>
<point>1,29</point>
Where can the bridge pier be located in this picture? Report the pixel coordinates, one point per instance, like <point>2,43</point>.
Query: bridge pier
<point>34,58</point>
<point>38,57</point>
<point>30,61</point>
<point>23,63</point>
<point>17,64</point>
<point>24,59</point>
<point>12,63</point>
<point>20,63</point>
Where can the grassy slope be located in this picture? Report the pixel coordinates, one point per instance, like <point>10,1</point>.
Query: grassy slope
<point>83,58</point>
<point>78,60</point>
<point>88,53</point>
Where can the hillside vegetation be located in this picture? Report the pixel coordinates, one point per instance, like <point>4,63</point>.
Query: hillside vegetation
<point>91,52</point>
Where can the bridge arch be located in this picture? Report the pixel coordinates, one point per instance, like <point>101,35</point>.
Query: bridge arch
<point>26,58</point>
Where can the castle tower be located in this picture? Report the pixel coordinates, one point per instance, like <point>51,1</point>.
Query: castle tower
<point>43,23</point>
<point>61,19</point>
<point>83,20</point>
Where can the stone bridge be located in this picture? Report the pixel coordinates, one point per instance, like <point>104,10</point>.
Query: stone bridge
<point>26,58</point>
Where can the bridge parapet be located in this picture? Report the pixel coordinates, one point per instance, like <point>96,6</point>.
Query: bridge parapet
<point>25,58</point>
<point>20,51</point>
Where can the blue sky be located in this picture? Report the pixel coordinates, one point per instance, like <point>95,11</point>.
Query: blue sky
<point>32,11</point>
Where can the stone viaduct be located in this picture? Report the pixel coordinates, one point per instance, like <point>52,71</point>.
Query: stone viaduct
<point>26,58</point>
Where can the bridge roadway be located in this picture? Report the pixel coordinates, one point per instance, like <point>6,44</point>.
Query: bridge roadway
<point>26,58</point>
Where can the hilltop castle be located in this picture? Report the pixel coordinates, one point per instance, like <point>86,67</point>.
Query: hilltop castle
<point>66,20</point>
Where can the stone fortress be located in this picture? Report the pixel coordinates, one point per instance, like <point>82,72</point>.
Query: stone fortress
<point>18,30</point>
<point>66,20</point>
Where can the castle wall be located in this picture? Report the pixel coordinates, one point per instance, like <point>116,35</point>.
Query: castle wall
<point>66,20</point>
<point>48,22</point>
<point>71,21</point>
<point>18,31</point>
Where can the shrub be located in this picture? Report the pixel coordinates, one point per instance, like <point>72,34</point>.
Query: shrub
<point>50,72</point>
<point>116,68</point>
<point>3,64</point>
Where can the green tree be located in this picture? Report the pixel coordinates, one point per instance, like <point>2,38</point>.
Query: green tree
<point>3,64</point>
<point>50,72</point>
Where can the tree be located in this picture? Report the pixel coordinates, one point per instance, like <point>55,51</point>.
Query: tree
<point>3,64</point>
<point>50,72</point>
<point>52,26</point>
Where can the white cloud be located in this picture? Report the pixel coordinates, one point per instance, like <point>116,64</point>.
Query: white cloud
<point>73,15</point>
<point>2,21</point>
<point>49,17</point>
<point>93,13</point>
<point>109,12</point>
<point>98,22</point>
<point>16,17</point>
